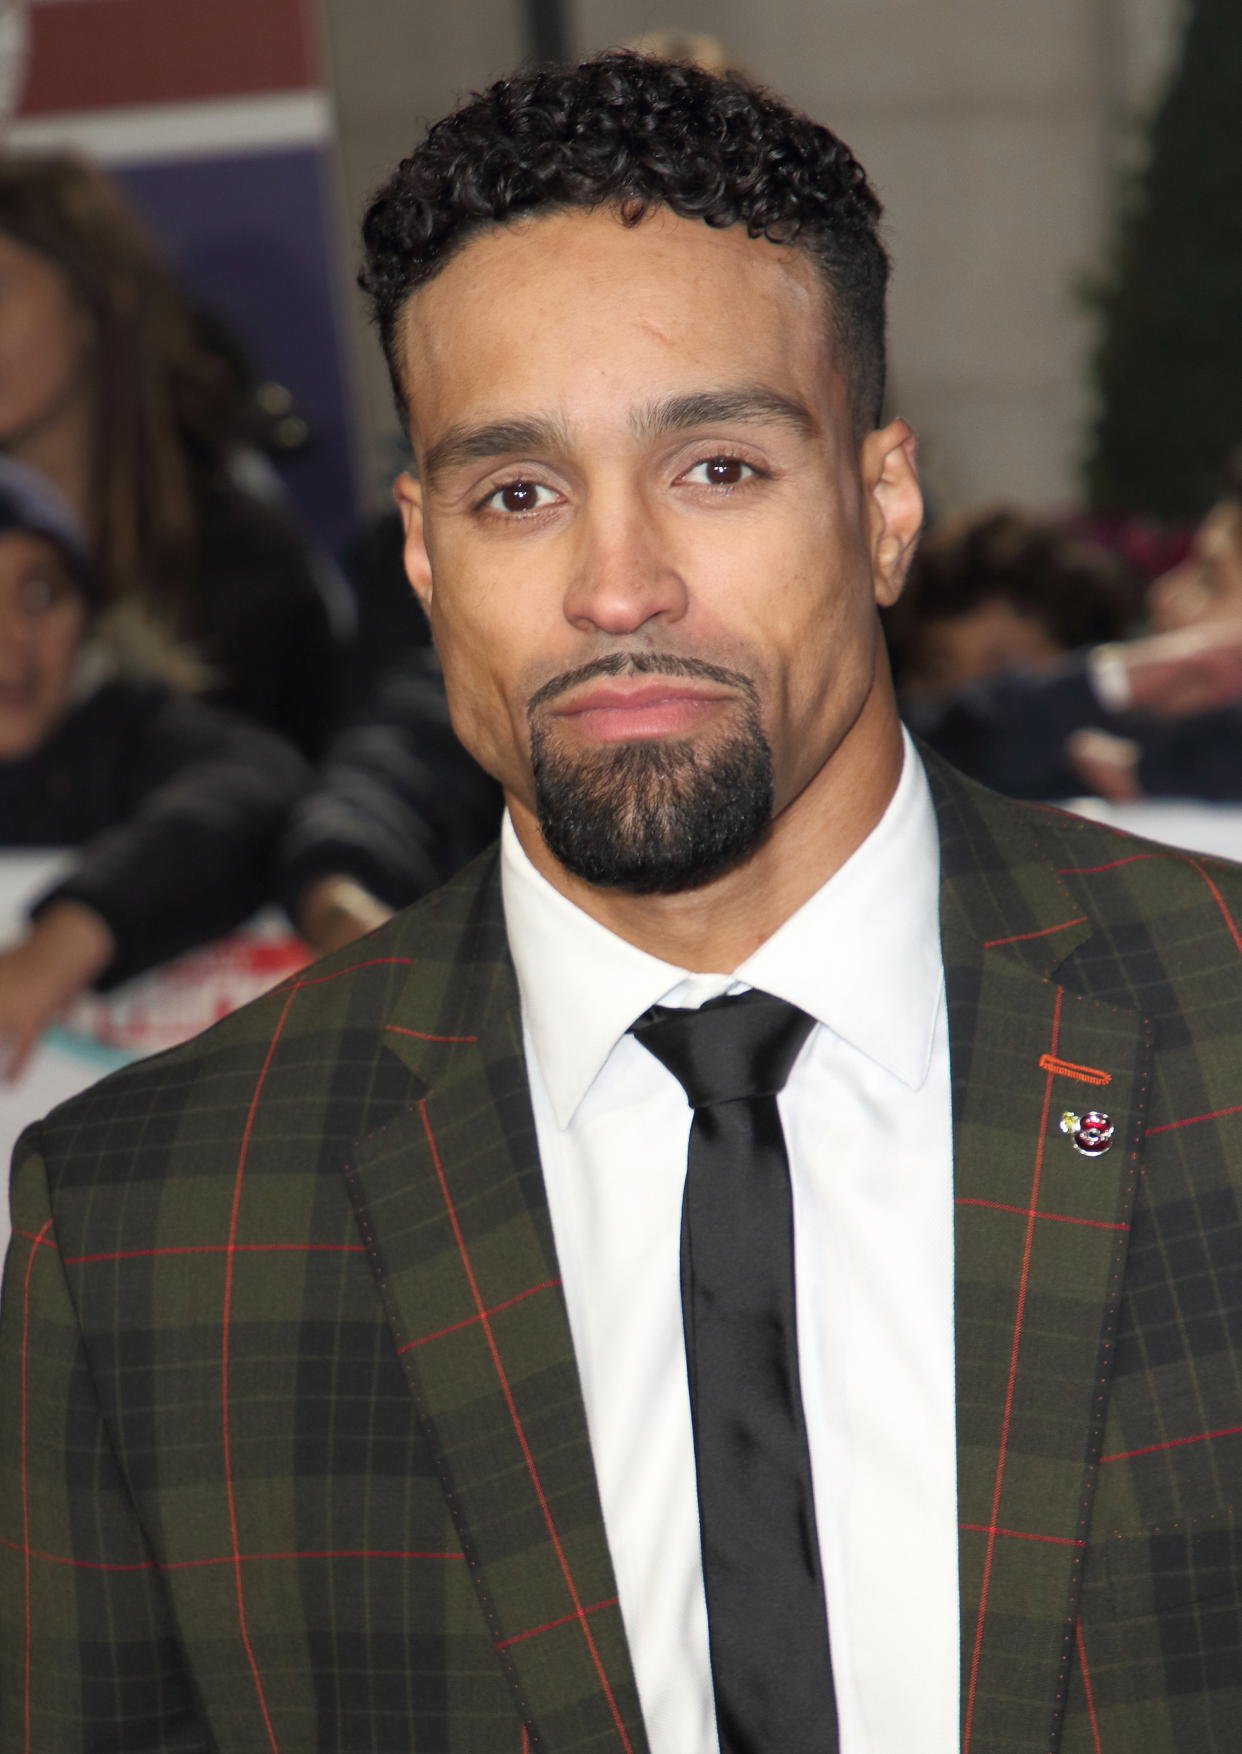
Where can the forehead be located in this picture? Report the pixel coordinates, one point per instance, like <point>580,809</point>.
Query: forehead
<point>17,258</point>
<point>578,309</point>
<point>20,550</point>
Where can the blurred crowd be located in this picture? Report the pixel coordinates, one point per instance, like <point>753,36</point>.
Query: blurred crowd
<point>1038,660</point>
<point>182,700</point>
<point>216,714</point>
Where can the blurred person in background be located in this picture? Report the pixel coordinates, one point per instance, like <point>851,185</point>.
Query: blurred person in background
<point>1007,661</point>
<point>107,387</point>
<point>675,44</point>
<point>1196,601</point>
<point>996,592</point>
<point>1207,586</point>
<point>174,806</point>
<point>399,808</point>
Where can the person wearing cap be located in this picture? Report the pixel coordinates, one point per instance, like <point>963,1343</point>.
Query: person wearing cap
<point>174,805</point>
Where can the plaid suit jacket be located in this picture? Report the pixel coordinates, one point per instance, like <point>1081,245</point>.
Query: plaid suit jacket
<point>294,1454</point>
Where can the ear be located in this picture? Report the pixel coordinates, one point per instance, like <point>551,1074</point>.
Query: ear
<point>894,506</point>
<point>407,490</point>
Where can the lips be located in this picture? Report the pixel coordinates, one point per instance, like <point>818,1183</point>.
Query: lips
<point>656,706</point>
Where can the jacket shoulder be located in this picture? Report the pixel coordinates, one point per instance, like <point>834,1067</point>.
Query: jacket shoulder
<point>329,1014</point>
<point>1154,928</point>
<point>984,823</point>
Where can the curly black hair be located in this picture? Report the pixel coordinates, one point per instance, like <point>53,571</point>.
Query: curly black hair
<point>635,133</point>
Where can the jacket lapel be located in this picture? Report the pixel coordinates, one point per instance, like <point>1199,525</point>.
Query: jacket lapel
<point>1040,1238</point>
<point>451,1200</point>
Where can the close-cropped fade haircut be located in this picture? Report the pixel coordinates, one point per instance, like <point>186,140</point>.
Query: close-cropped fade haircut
<point>632,133</point>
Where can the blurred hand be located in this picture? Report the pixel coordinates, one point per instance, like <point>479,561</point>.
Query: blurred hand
<point>1107,765</point>
<point>334,911</point>
<point>62,953</point>
<point>1193,671</point>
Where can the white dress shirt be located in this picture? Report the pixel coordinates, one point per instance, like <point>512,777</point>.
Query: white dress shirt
<point>867,1124</point>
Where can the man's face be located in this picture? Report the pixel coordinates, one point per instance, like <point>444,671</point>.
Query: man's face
<point>648,543</point>
<point>1207,586</point>
<point>41,622</point>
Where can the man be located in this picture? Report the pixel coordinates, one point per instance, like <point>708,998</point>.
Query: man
<point>345,1346</point>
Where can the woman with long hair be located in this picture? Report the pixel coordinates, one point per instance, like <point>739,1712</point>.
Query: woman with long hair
<point>106,386</point>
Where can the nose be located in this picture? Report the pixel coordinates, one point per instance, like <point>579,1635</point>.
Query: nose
<point>625,573</point>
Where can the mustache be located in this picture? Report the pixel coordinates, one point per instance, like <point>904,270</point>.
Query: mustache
<point>641,664</point>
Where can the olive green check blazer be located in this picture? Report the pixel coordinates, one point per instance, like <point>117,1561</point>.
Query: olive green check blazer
<point>294,1453</point>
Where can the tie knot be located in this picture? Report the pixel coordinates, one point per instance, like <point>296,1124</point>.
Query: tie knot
<point>740,1045</point>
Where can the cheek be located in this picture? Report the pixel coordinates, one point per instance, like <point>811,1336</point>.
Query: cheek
<point>482,694</point>
<point>51,343</point>
<point>828,656</point>
<point>58,649</point>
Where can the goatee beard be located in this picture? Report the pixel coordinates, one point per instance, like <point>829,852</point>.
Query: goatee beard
<point>654,816</point>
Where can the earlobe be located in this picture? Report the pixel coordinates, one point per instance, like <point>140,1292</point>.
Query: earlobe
<point>407,491</point>
<point>890,477</point>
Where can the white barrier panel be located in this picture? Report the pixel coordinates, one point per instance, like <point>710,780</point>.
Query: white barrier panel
<point>157,1010</point>
<point>1198,828</point>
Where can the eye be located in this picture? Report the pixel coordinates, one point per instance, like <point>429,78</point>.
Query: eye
<point>720,472</point>
<point>516,497</point>
<point>42,591</point>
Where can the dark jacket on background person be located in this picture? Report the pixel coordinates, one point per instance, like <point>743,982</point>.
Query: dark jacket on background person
<point>260,622</point>
<point>174,805</point>
<point>1195,757</point>
<point>400,805</point>
<point>1010,731</point>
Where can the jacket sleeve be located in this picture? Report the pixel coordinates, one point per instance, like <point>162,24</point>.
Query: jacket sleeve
<point>207,799</point>
<point>264,623</point>
<point>400,806</point>
<point>1196,757</point>
<point>1009,732</point>
<point>90,1661</point>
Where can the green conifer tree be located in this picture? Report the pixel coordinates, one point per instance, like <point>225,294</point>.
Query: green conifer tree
<point>1168,367</point>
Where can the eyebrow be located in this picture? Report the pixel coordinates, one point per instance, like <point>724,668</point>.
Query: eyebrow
<point>749,402</point>
<point>475,444</point>
<point>535,433</point>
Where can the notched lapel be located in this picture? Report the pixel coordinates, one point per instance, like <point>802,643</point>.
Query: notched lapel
<point>451,1202</point>
<point>1040,1237</point>
<point>1041,1233</point>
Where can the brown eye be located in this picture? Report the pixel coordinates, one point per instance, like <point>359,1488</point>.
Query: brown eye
<point>519,496</point>
<point>720,472</point>
<point>42,591</point>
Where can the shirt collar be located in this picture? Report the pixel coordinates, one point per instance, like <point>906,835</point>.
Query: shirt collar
<point>871,973</point>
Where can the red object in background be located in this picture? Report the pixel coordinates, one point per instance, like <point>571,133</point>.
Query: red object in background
<point>101,54</point>
<point>1148,547</point>
<point>168,1005</point>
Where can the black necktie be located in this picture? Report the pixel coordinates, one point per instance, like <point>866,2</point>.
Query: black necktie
<point>767,1623</point>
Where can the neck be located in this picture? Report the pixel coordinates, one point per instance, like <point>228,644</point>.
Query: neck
<point>714,928</point>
